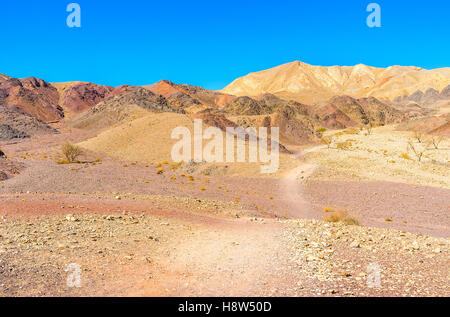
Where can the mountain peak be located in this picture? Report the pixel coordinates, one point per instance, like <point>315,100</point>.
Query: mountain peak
<point>307,83</point>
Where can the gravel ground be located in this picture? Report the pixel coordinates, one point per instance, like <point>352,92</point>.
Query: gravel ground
<point>136,232</point>
<point>133,254</point>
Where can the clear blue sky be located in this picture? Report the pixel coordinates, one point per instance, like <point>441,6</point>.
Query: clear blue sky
<point>211,42</point>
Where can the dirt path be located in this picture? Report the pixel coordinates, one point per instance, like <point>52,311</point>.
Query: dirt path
<point>187,255</point>
<point>232,257</point>
<point>292,186</point>
<point>161,253</point>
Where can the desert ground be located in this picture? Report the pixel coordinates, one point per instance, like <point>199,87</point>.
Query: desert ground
<point>135,232</point>
<point>360,205</point>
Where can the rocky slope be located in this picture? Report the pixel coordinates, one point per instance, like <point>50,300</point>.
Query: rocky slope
<point>430,96</point>
<point>309,84</point>
<point>344,111</point>
<point>33,96</point>
<point>15,123</point>
<point>433,125</point>
<point>77,97</point>
<point>190,98</point>
<point>130,105</point>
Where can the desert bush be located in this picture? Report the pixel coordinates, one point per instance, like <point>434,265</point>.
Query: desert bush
<point>405,156</point>
<point>327,140</point>
<point>2,154</point>
<point>71,152</point>
<point>344,145</point>
<point>341,215</point>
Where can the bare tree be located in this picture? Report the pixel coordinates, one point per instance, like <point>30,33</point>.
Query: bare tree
<point>418,136</point>
<point>436,140</point>
<point>418,150</point>
<point>369,128</point>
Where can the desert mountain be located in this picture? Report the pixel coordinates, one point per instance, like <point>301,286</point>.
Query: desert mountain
<point>345,111</point>
<point>130,105</point>
<point>33,96</point>
<point>77,97</point>
<point>307,83</point>
<point>430,96</point>
<point>190,98</point>
<point>260,105</point>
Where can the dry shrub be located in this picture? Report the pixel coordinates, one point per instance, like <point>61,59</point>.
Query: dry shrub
<point>341,215</point>
<point>418,150</point>
<point>418,136</point>
<point>405,156</point>
<point>344,145</point>
<point>436,140</point>
<point>327,140</point>
<point>351,131</point>
<point>71,152</point>
<point>369,128</point>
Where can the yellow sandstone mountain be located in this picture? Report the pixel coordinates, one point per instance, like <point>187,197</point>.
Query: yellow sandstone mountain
<point>307,83</point>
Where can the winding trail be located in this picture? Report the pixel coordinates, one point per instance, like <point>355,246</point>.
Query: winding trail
<point>292,186</point>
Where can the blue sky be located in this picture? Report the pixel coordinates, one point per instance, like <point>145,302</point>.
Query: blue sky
<point>210,43</point>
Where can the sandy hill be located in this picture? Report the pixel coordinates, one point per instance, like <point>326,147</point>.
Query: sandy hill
<point>31,95</point>
<point>148,139</point>
<point>144,139</point>
<point>310,84</point>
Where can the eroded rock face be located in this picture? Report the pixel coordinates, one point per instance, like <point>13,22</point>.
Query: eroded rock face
<point>116,109</point>
<point>9,133</point>
<point>31,95</point>
<point>185,96</point>
<point>15,123</point>
<point>445,93</point>
<point>248,106</point>
<point>430,96</point>
<point>81,97</point>
<point>3,176</point>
